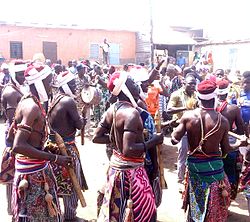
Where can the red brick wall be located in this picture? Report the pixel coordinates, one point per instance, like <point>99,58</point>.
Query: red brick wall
<point>71,43</point>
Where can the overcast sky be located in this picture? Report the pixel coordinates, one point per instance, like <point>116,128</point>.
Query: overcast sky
<point>222,18</point>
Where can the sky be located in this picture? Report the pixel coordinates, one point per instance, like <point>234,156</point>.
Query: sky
<point>220,18</point>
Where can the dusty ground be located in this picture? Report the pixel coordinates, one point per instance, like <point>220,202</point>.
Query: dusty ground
<point>95,163</point>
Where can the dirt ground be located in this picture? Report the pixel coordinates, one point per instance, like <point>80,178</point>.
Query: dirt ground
<point>237,211</point>
<point>95,163</point>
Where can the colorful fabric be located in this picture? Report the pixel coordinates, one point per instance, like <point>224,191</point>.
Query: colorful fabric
<point>80,84</point>
<point>152,99</point>
<point>24,165</point>
<point>203,189</point>
<point>7,166</point>
<point>101,107</point>
<point>232,166</point>
<point>148,124</point>
<point>64,183</point>
<point>30,204</point>
<point>244,103</point>
<point>244,185</point>
<point>206,169</point>
<point>117,193</point>
<point>175,84</point>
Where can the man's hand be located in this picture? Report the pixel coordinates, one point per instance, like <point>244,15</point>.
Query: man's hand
<point>65,161</point>
<point>244,140</point>
<point>157,138</point>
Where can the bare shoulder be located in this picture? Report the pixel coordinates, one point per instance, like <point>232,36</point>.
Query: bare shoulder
<point>27,111</point>
<point>68,100</point>
<point>224,122</point>
<point>234,107</point>
<point>107,117</point>
<point>7,91</point>
<point>131,113</point>
<point>190,114</point>
<point>28,105</point>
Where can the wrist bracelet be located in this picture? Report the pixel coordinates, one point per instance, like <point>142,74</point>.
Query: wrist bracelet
<point>156,69</point>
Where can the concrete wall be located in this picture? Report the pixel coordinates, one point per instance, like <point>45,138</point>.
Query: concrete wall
<point>234,56</point>
<point>71,43</point>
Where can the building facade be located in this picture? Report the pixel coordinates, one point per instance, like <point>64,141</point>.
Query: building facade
<point>22,42</point>
<point>229,54</point>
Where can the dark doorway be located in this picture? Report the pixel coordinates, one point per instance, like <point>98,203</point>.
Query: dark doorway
<point>50,51</point>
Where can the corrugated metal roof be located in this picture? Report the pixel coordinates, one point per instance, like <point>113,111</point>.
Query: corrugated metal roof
<point>223,42</point>
<point>170,37</point>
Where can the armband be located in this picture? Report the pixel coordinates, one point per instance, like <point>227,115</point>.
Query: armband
<point>24,127</point>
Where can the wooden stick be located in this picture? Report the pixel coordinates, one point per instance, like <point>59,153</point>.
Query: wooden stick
<point>159,149</point>
<point>70,169</point>
<point>239,137</point>
<point>83,129</point>
<point>167,123</point>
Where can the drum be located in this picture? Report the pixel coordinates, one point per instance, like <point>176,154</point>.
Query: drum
<point>91,95</point>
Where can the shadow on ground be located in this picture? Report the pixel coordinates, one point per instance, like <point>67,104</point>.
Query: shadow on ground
<point>169,155</point>
<point>236,217</point>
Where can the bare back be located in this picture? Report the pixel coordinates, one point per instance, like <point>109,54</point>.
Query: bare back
<point>129,128</point>
<point>10,99</point>
<point>191,123</point>
<point>233,115</point>
<point>30,114</point>
<point>64,117</point>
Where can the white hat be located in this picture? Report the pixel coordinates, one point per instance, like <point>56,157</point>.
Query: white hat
<point>62,79</point>
<point>4,66</point>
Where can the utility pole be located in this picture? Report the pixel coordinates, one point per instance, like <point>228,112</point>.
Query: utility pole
<point>151,32</point>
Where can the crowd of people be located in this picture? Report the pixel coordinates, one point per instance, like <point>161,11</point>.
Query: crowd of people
<point>129,108</point>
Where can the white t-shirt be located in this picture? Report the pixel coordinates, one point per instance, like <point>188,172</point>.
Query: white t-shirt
<point>105,47</point>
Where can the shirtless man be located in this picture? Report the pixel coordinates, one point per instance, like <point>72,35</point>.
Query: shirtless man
<point>65,119</point>
<point>33,175</point>
<point>11,95</point>
<point>208,188</point>
<point>123,125</point>
<point>232,163</point>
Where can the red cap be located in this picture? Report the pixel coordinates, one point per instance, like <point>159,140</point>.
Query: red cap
<point>111,80</point>
<point>206,87</point>
<point>222,84</point>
